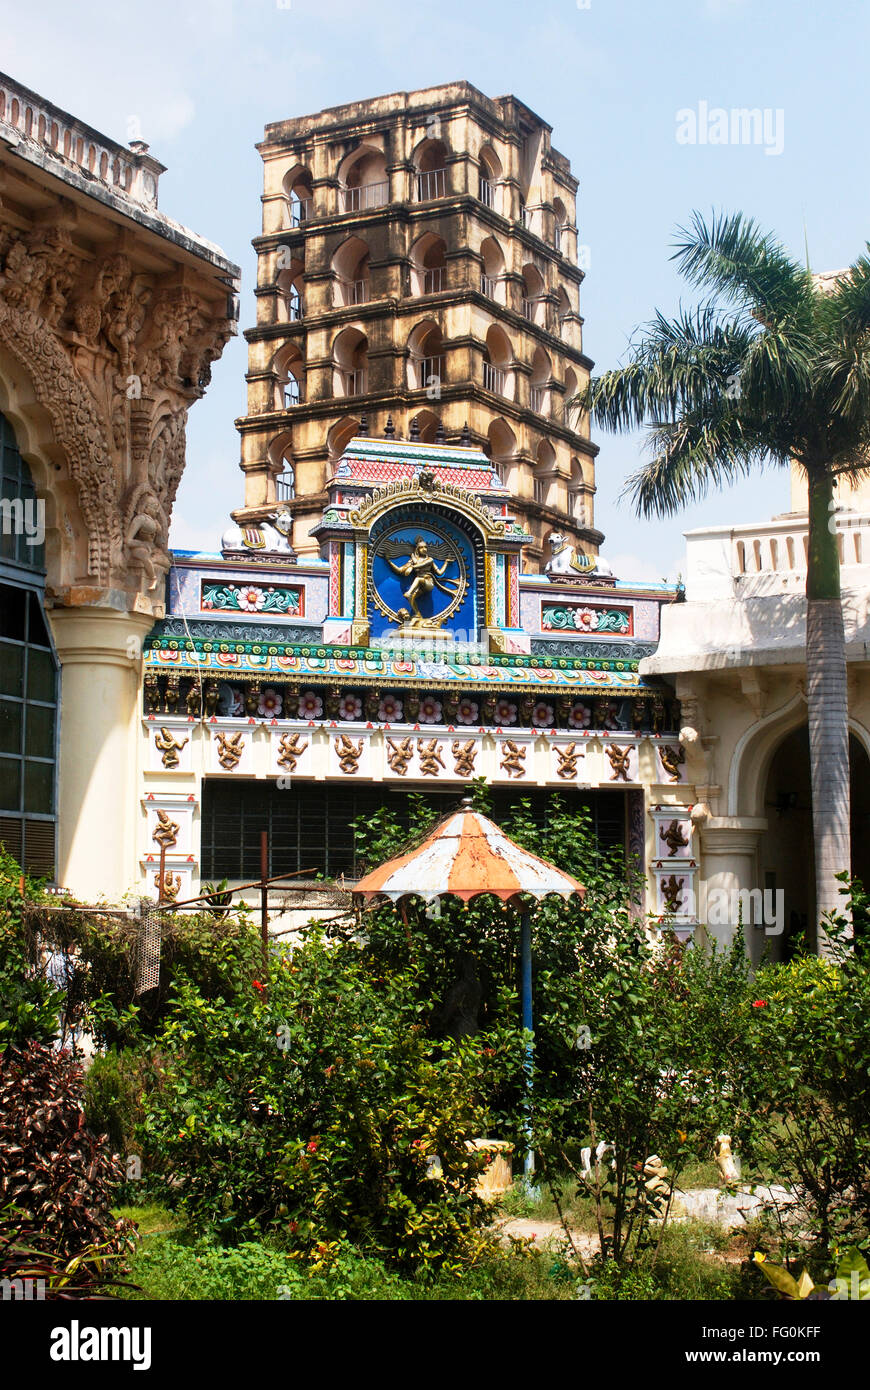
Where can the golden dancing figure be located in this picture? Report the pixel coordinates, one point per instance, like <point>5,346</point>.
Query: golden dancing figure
<point>423,570</point>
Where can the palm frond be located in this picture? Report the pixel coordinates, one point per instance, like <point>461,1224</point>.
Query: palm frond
<point>689,457</point>
<point>847,305</point>
<point>745,266</point>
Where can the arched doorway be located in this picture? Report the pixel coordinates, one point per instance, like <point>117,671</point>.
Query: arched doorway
<point>786,857</point>
<point>29,679</point>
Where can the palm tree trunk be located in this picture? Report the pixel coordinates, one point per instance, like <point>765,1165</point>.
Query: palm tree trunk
<point>827,707</point>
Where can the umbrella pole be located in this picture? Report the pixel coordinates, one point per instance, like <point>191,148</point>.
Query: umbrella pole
<point>526,995</point>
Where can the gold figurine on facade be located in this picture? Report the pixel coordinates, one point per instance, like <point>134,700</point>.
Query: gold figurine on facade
<point>423,569</point>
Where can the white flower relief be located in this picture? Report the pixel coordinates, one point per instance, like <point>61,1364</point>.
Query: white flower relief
<point>505,713</point>
<point>251,599</point>
<point>542,715</point>
<point>430,710</point>
<point>310,705</point>
<point>468,712</point>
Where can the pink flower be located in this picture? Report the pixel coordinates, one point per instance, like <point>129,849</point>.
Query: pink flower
<point>586,619</point>
<point>390,710</point>
<point>468,712</point>
<point>542,715</point>
<point>350,707</point>
<point>310,705</point>
<point>251,599</point>
<point>505,713</point>
<point>430,710</point>
<point>580,716</point>
<point>270,703</point>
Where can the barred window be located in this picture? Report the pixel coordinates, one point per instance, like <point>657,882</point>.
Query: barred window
<point>310,826</point>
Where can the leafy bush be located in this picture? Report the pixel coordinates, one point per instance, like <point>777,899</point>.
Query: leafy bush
<point>811,1023</point>
<point>57,1179</point>
<point>314,1106</point>
<point>29,1005</point>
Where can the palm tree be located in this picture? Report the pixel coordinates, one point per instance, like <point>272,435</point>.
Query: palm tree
<point>773,368</point>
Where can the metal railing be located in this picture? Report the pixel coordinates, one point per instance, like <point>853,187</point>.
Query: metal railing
<point>367,195</point>
<point>529,306</point>
<point>542,487</point>
<point>355,291</point>
<point>292,394</point>
<point>300,210</point>
<point>294,306</point>
<point>355,382</point>
<point>285,486</point>
<point>433,280</point>
<point>486,193</point>
<point>431,183</point>
<point>494,378</point>
<point>487,286</point>
<point>430,370</point>
<point>537,398</point>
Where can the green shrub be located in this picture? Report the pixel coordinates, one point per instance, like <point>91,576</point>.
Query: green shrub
<point>810,1021</point>
<point>314,1107</point>
<point>29,1004</point>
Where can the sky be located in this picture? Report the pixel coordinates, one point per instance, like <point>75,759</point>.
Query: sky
<point>199,79</point>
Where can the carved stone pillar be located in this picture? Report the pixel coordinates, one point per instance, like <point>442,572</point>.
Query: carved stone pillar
<point>100,654</point>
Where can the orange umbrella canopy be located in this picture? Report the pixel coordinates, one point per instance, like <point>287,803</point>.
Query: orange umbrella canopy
<point>465,855</point>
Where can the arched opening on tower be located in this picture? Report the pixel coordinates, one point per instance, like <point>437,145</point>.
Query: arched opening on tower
<point>281,463</point>
<point>426,424</point>
<point>560,222</point>
<point>363,181</point>
<point>426,362</point>
<point>534,289</point>
<point>539,382</point>
<point>352,277</point>
<point>290,282</point>
<point>350,363</point>
<point>428,264</point>
<point>298,196</point>
<point>502,448</point>
<point>545,474</point>
<point>498,357</point>
<point>492,272</point>
<point>339,436</point>
<point>289,369</point>
<point>489,176</point>
<point>430,162</point>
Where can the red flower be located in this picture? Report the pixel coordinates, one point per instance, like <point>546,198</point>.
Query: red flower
<point>760,1004</point>
<point>260,987</point>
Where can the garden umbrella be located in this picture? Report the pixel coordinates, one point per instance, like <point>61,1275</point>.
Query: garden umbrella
<point>466,855</point>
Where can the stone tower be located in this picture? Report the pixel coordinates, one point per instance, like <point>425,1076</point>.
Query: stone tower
<point>417,273</point>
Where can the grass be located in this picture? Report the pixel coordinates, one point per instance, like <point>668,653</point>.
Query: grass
<point>696,1261</point>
